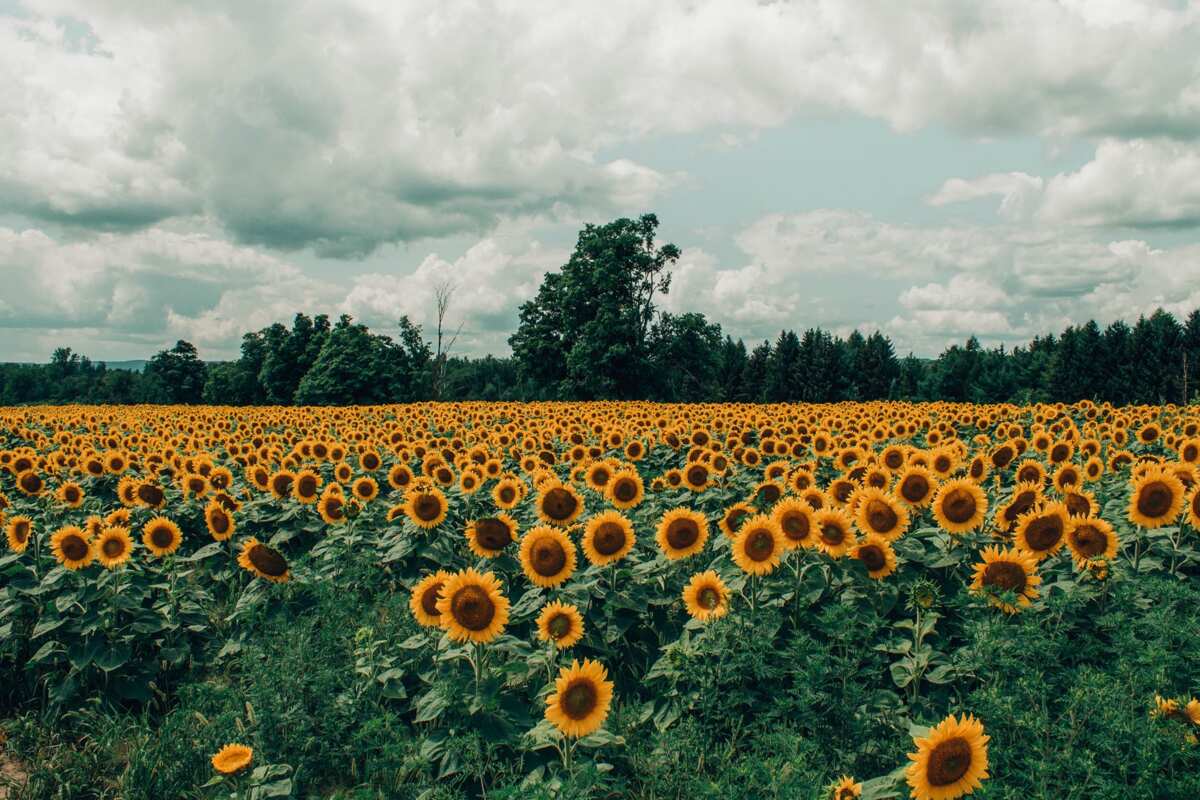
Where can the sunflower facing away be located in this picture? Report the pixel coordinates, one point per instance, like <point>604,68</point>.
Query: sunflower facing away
<point>581,699</point>
<point>759,545</point>
<point>681,532</point>
<point>560,623</point>
<point>232,758</point>
<point>265,562</point>
<point>472,607</point>
<point>1005,574</point>
<point>706,597</point>
<point>71,547</point>
<point>951,762</point>
<point>607,538</point>
<point>959,506</point>
<point>424,599</point>
<point>547,556</point>
<point>487,537</point>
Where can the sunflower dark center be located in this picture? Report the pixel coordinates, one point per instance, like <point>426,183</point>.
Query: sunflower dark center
<point>760,545</point>
<point>429,600</point>
<point>873,557</point>
<point>1002,456</point>
<point>162,536</point>
<point>769,493</point>
<point>1005,575</point>
<point>547,557</point>
<point>625,490</point>
<point>1154,500</point>
<point>1078,505</point>
<point>1044,532</point>
<point>150,494</point>
<point>1089,540</point>
<point>795,526</point>
<point>579,699</point>
<point>1029,474</point>
<point>1059,453</point>
<point>914,488</point>
<point>72,494</point>
<point>559,626</point>
<point>74,547</point>
<point>307,486</point>
<point>708,598</point>
<point>959,506</point>
<point>832,534</point>
<point>268,561</point>
<point>507,494</point>
<point>427,508</point>
<point>559,504</point>
<point>30,482</point>
<point>609,538</point>
<point>893,460</point>
<point>492,534</point>
<point>112,547</point>
<point>697,475</point>
<point>333,507</point>
<point>949,761</point>
<point>472,608</point>
<point>880,516</point>
<point>734,518</point>
<point>218,520</point>
<point>682,533</point>
<point>1020,504</point>
<point>21,530</point>
<point>282,484</point>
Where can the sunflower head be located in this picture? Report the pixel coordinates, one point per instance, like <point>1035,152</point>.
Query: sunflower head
<point>876,554</point>
<point>560,623</point>
<point>1091,539</point>
<point>950,762</point>
<point>113,547</point>
<point>161,536</point>
<point>607,538</point>
<point>706,597</point>
<point>880,514</point>
<point>559,504</point>
<point>426,506</point>
<point>472,607</point>
<point>219,521</point>
<point>263,561</point>
<point>1156,499</point>
<point>1041,532</point>
<point>17,531</point>
<point>72,547</point>
<point>424,599</point>
<point>916,486</point>
<point>232,758</point>
<point>835,533</point>
<point>488,536</point>
<point>581,698</point>
<point>795,519</point>
<point>682,532</point>
<point>759,545</point>
<point>547,556</point>
<point>845,788</point>
<point>1008,577</point>
<point>625,490</point>
<point>959,505</point>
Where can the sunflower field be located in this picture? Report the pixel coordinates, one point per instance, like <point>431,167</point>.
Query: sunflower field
<point>600,600</point>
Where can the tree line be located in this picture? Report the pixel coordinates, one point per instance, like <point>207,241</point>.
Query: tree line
<point>593,331</point>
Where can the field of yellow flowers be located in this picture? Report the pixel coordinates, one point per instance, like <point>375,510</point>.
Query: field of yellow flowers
<point>601,600</point>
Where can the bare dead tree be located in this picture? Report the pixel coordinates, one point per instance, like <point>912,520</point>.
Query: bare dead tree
<point>443,293</point>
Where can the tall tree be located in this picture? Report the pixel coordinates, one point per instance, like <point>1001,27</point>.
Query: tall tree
<point>177,374</point>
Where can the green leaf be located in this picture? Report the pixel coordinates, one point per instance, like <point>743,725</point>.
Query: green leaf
<point>114,657</point>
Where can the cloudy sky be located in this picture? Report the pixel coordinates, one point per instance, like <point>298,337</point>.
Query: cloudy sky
<point>933,168</point>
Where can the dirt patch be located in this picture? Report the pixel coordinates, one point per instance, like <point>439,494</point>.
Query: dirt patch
<point>12,773</point>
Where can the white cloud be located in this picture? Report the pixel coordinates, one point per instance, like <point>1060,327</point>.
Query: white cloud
<point>1018,191</point>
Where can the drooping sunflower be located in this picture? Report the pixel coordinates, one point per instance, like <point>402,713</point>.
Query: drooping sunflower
<point>881,514</point>
<point>845,788</point>
<point>219,521</point>
<point>916,485</point>
<point>472,607</point>
<point>307,486</point>
<point>581,699</point>
<point>681,532</point>
<point>424,599</point>
<point>734,516</point>
<point>1042,532</point>
<point>426,507</point>
<point>1156,499</point>
<point>547,556</point>
<point>70,494</point>
<point>71,547</point>
<point>796,521</point>
<point>876,554</point>
<point>759,545</point>
<point>625,490</point>
<point>265,562</point>
<point>17,531</point>
<point>113,547</point>
<point>1004,571</point>
<point>706,597</point>
<point>960,505</point>
<point>232,758</point>
<point>488,536</point>
<point>835,532</point>
<point>560,623</point>
<point>1091,539</point>
<point>161,536</point>
<point>607,538</point>
<point>951,762</point>
<point>559,504</point>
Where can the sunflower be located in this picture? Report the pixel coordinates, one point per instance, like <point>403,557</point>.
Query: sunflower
<point>424,599</point>
<point>332,505</point>
<point>845,788</point>
<point>71,547</point>
<point>759,545</point>
<point>581,698</point>
<point>959,505</point>
<point>795,520</point>
<point>876,554</point>
<point>597,475</point>
<point>306,486</point>
<point>265,562</point>
<point>1080,503</point>
<point>835,534</point>
<point>1193,508</point>
<point>17,531</point>
<point>560,623</point>
<point>365,489</point>
<point>150,494</point>
<point>1156,499</point>
<point>1091,539</point>
<point>426,507</point>
<point>951,762</point>
<point>1041,532</point>
<point>472,607</point>
<point>547,556</point>
<point>607,538</point>
<point>681,532</point>
<point>507,493</point>
<point>399,476</point>
<point>161,536</point>
<point>232,758</point>
<point>70,494</point>
<point>1004,571</point>
<point>881,514</point>
<point>696,477</point>
<point>916,486</point>
<point>625,490</point>
<point>488,536</point>
<point>1025,496</point>
<point>734,516</point>
<point>281,483</point>
<point>706,597</point>
<point>113,547</point>
<point>219,521</point>
<point>559,504</point>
